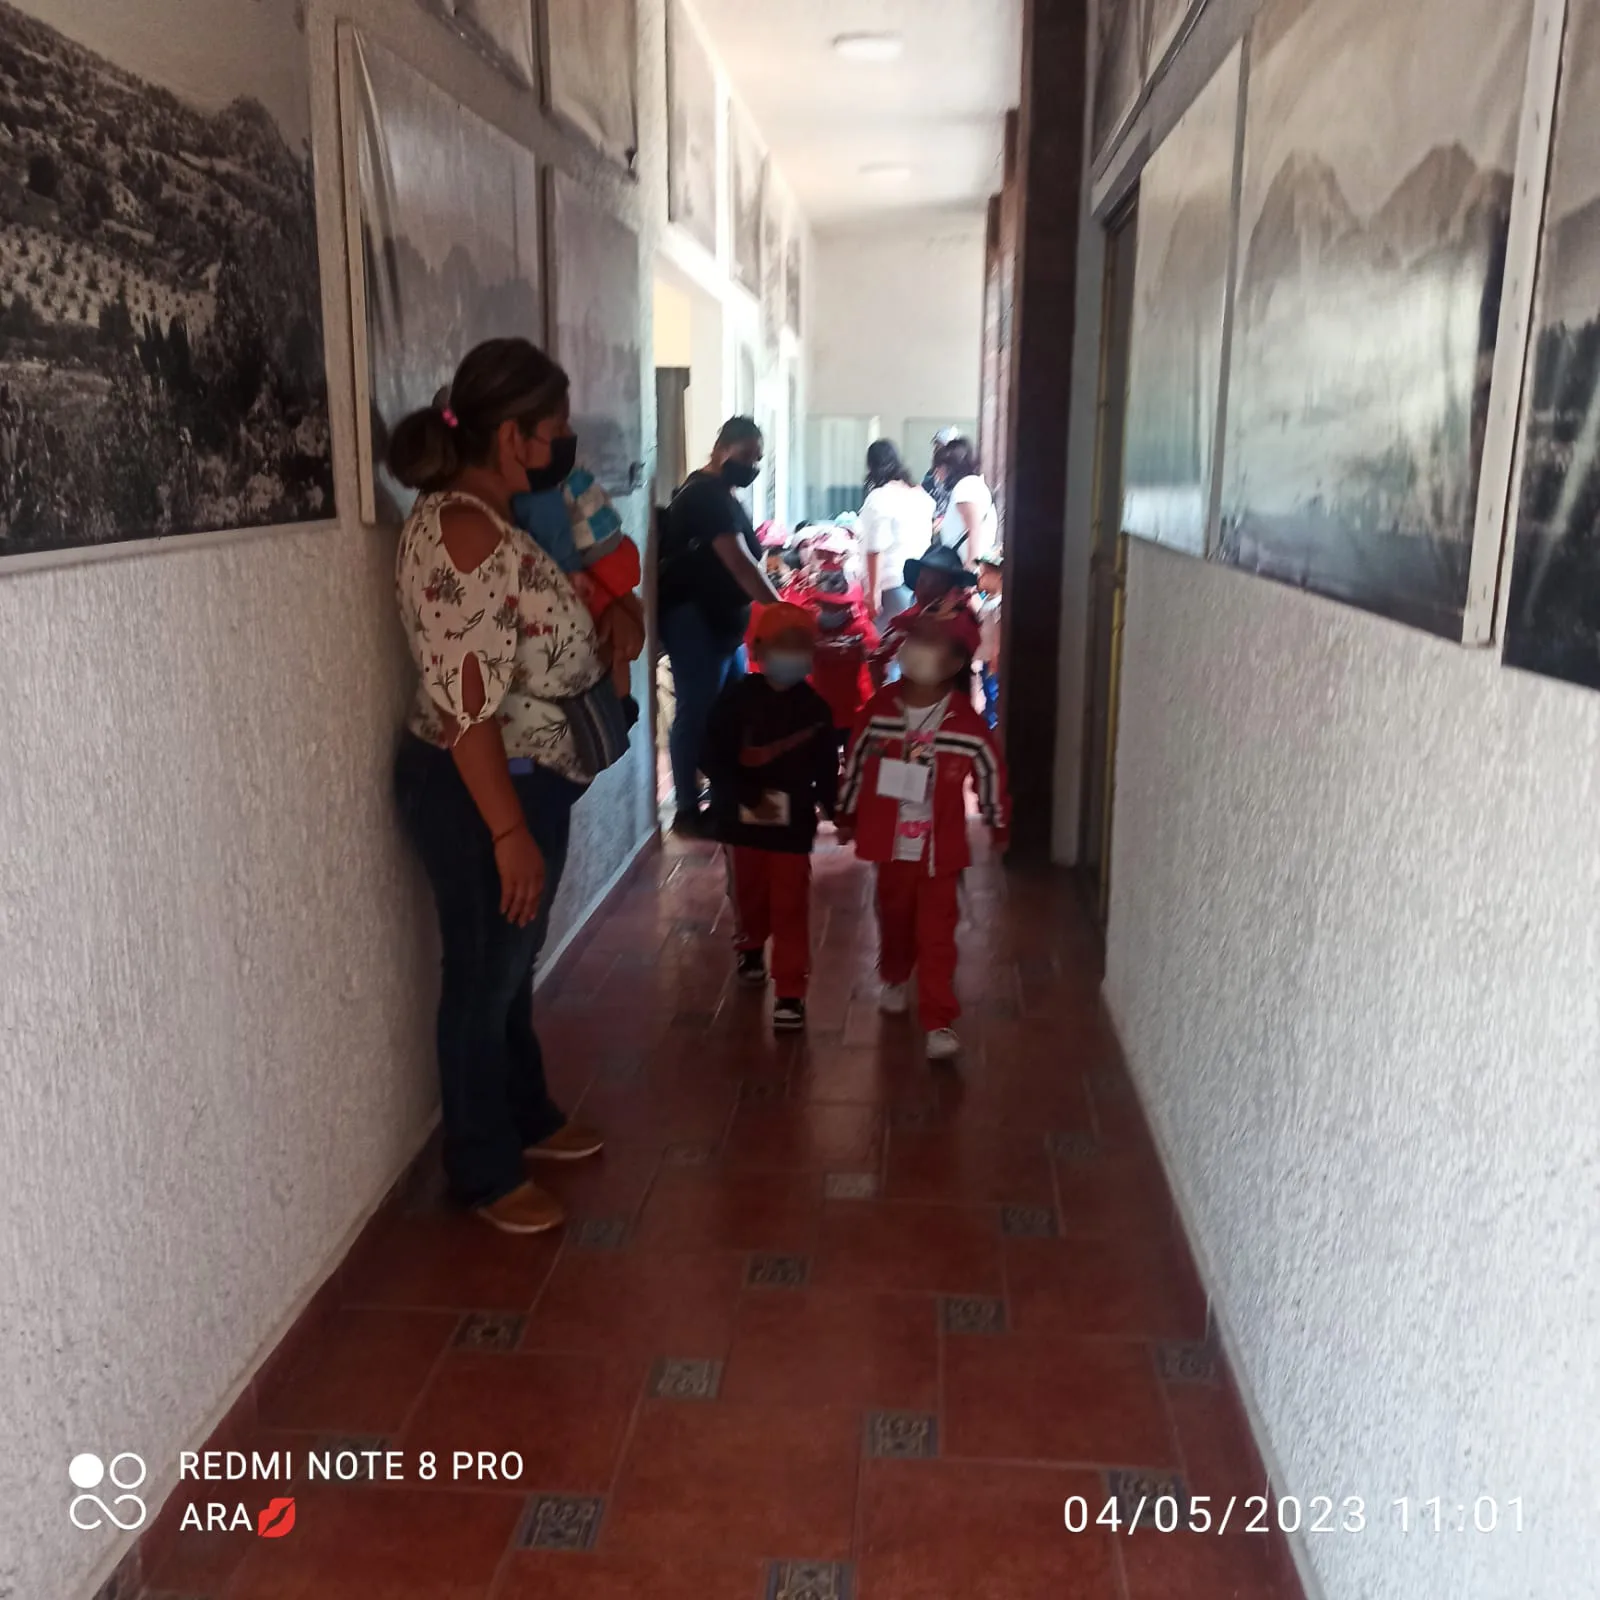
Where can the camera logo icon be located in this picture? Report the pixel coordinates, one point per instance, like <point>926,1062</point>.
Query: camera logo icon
<point>88,1511</point>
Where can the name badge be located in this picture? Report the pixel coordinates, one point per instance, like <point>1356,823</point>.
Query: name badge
<point>902,780</point>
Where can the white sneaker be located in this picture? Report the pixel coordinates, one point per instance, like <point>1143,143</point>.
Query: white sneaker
<point>944,1045</point>
<point>895,1000</point>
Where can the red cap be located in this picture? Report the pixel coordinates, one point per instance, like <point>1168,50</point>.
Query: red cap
<point>783,618</point>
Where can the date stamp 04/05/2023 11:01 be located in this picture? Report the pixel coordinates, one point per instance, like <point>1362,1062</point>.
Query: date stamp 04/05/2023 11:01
<point>1313,1516</point>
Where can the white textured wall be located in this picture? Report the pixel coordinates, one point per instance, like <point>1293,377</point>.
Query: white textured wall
<point>1354,943</point>
<point>216,956</point>
<point>897,325</point>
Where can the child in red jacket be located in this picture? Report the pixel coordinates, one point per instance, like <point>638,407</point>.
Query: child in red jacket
<point>846,637</point>
<point>917,745</point>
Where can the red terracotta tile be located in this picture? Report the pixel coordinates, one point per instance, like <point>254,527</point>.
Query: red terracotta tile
<point>937,1530</point>
<point>1119,1288</point>
<point>770,1211</point>
<point>1113,1198</point>
<point>363,1375</point>
<point>840,1074</point>
<point>660,1575</point>
<point>901,1245</point>
<point>407,1545</point>
<point>614,1183</point>
<point>660,1305</point>
<point>564,1413</point>
<point>1011,1398</point>
<point>655,1112</point>
<point>455,1261</point>
<point>787,1137</point>
<point>836,1347</point>
<point>1219,1455</point>
<point>1190,1566</point>
<point>972,1162</point>
<point>743,1481</point>
<point>197,1563</point>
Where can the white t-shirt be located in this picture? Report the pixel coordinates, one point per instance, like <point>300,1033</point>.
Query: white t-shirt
<point>896,526</point>
<point>971,491</point>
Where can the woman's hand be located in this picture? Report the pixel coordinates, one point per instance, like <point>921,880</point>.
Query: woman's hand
<point>521,868</point>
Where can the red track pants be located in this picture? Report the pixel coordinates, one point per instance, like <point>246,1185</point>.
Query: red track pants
<point>772,896</point>
<point>917,918</point>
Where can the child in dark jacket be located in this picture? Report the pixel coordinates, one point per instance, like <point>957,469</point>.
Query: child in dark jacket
<point>772,761</point>
<point>917,746</point>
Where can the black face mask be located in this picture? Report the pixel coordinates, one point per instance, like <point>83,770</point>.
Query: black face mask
<point>740,474</point>
<point>563,458</point>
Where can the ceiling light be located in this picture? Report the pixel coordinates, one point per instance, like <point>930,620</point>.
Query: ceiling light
<point>869,46</point>
<point>889,171</point>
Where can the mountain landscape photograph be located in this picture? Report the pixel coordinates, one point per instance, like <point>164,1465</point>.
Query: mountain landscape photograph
<point>450,230</point>
<point>161,348</point>
<point>1376,203</point>
<point>1553,621</point>
<point>1179,296</point>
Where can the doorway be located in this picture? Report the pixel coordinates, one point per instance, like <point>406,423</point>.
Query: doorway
<point>1107,560</point>
<point>691,395</point>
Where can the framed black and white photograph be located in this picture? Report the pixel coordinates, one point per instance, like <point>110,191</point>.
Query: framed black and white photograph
<point>594,331</point>
<point>591,63</point>
<point>1119,68</point>
<point>1180,293</point>
<point>501,29</point>
<point>1553,615</point>
<point>694,109</point>
<point>1168,19</point>
<point>793,278</point>
<point>747,164</point>
<point>1376,202</point>
<point>773,261</point>
<point>444,212</point>
<point>161,346</point>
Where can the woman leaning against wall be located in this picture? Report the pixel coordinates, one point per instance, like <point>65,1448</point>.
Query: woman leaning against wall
<point>495,754</point>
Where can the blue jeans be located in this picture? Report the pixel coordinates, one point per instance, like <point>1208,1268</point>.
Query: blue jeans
<point>491,1069</point>
<point>991,696</point>
<point>704,660</point>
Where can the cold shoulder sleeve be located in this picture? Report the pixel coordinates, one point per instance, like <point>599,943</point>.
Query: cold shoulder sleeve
<point>450,614</point>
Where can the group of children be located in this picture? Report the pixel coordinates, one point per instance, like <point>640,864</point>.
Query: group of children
<point>911,750</point>
<point>875,731</point>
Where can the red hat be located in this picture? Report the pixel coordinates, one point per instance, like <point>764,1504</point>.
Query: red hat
<point>957,623</point>
<point>784,618</point>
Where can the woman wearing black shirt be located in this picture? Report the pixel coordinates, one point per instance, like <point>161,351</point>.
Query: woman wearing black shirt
<point>710,574</point>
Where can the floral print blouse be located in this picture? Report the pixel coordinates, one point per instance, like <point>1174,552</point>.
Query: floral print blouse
<point>518,613</point>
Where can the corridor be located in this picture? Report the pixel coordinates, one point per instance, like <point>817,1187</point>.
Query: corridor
<point>826,1324</point>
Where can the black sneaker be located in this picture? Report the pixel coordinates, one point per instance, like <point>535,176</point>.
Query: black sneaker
<point>789,1016</point>
<point>753,967</point>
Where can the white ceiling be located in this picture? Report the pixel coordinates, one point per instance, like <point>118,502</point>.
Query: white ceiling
<point>940,109</point>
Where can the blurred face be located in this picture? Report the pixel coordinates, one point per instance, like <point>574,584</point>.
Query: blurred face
<point>526,458</point>
<point>928,658</point>
<point>740,464</point>
<point>785,658</point>
<point>932,585</point>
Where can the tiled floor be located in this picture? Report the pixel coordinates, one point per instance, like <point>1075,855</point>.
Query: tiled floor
<point>827,1322</point>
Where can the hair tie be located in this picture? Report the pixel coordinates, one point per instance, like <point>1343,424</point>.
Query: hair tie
<point>451,420</point>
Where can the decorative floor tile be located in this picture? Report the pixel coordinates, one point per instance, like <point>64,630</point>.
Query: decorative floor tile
<point>1187,1363</point>
<point>1072,1147</point>
<point>689,1155</point>
<point>778,1272</point>
<point>851,1185</point>
<point>810,1580</point>
<point>560,1522</point>
<point>1028,1222</point>
<point>902,1435</point>
<point>1148,1499</point>
<point>490,1330</point>
<point>598,1233</point>
<point>675,1379</point>
<point>365,1447</point>
<point>972,1314</point>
